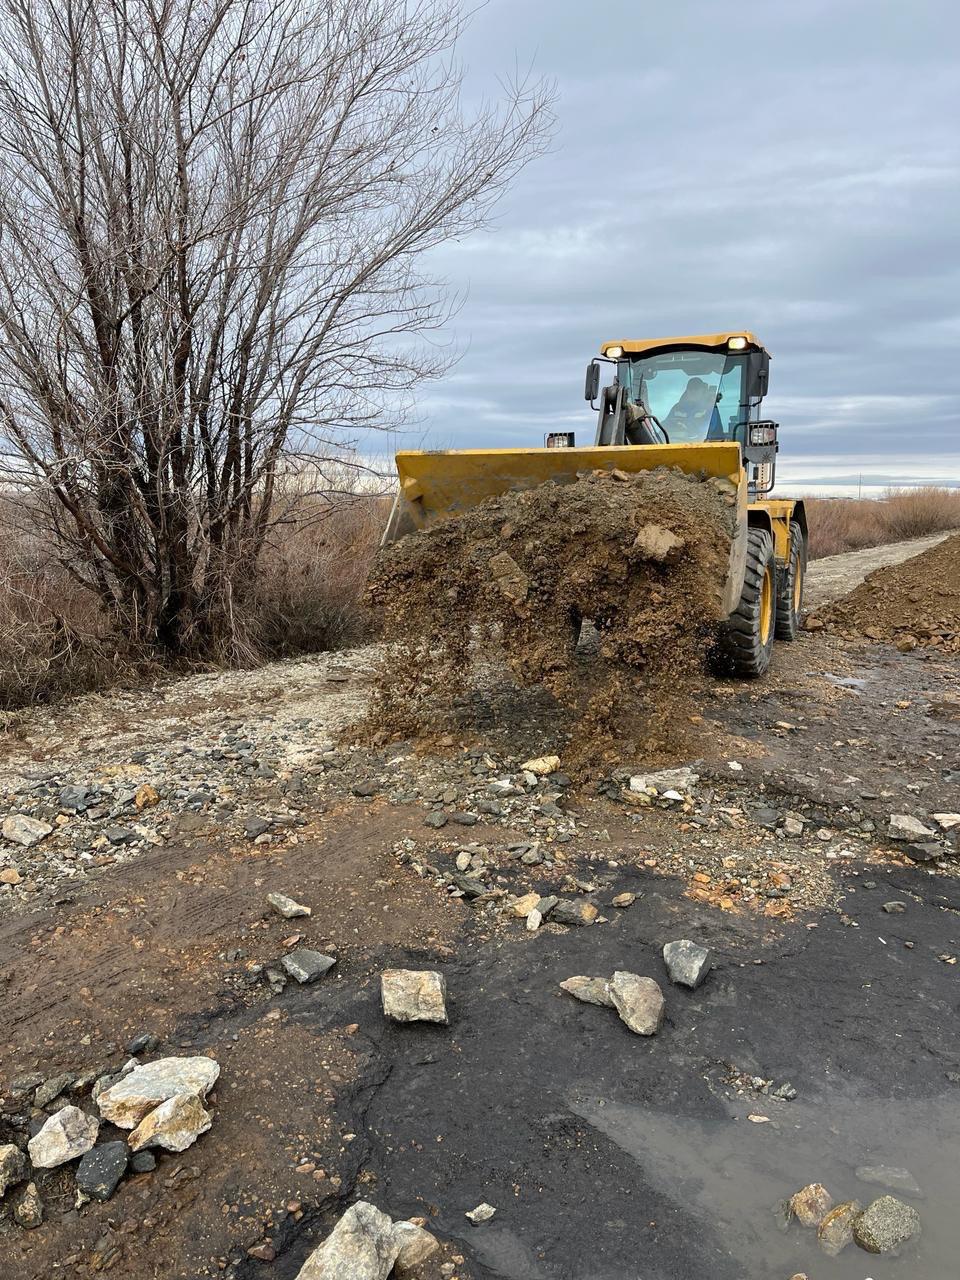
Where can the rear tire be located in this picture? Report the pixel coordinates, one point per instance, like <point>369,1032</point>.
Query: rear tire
<point>790,587</point>
<point>745,642</point>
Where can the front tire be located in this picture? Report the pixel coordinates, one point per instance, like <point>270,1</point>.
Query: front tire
<point>790,587</point>
<point>745,643</point>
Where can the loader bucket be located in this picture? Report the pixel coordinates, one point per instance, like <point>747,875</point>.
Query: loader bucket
<point>438,484</point>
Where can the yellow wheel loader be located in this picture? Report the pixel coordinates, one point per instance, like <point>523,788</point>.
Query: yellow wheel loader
<point>690,402</point>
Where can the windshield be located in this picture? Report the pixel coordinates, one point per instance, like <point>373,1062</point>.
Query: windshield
<point>695,395</point>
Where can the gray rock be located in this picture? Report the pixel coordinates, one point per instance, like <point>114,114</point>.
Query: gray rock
<point>20,1086</point>
<point>306,965</point>
<point>904,827</point>
<point>28,1211</point>
<point>174,1125</point>
<point>118,835</point>
<point>13,1167</point>
<point>894,908</point>
<point>142,1043</point>
<point>255,826</point>
<point>469,886</point>
<point>886,1225</point>
<point>894,1179</point>
<point>100,1170</point>
<point>65,1136</point>
<point>127,1102</point>
<point>414,995</point>
<point>366,788</point>
<point>546,905</point>
<point>362,1246</point>
<point>18,828</point>
<point>464,819</point>
<point>463,860</point>
<point>52,1088</point>
<point>687,963</point>
<point>143,1162</point>
<point>286,907</point>
<point>639,1002</point>
<point>75,799</point>
<point>589,990</point>
<point>573,911</point>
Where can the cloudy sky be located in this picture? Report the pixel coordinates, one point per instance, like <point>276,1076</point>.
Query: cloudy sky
<point>792,168</point>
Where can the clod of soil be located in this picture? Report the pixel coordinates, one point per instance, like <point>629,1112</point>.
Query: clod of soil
<point>916,603</point>
<point>505,588</point>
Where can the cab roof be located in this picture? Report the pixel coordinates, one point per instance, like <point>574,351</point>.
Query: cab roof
<point>698,341</point>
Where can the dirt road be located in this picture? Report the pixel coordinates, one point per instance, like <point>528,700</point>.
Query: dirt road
<point>175,810</point>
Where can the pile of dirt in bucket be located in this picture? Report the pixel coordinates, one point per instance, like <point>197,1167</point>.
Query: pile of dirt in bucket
<point>913,604</point>
<point>503,590</point>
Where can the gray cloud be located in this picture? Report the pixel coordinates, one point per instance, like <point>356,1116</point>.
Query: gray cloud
<point>793,169</point>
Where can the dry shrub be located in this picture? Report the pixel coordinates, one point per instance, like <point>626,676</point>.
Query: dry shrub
<point>838,525</point>
<point>310,588</point>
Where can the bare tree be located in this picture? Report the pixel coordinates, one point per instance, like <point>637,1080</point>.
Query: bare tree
<point>213,217</point>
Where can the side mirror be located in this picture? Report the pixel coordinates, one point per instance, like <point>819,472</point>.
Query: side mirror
<point>758,372</point>
<point>591,387</point>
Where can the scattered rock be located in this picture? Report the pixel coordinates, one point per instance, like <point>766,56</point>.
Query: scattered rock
<point>146,796</point>
<point>143,1162</point>
<point>654,542</point>
<point>639,1002</point>
<point>574,911</point>
<point>28,1211</point>
<point>10,875</point>
<point>882,1175</point>
<point>687,963</point>
<point>21,829</point>
<point>836,1230</point>
<point>947,821</point>
<point>523,906</point>
<point>255,827</point>
<point>904,827</point>
<point>894,908</point>
<point>482,1213</point>
<point>534,921</point>
<point>362,1246</point>
<point>13,1167</point>
<point>65,1136</point>
<point>127,1102</point>
<point>52,1088</point>
<point>542,766</point>
<point>589,990</point>
<point>100,1170</point>
<point>886,1225</point>
<point>435,820</point>
<point>286,907</point>
<point>306,965</point>
<point>417,1246</point>
<point>414,995</point>
<point>624,900</point>
<point>174,1125</point>
<point>792,826</point>
<point>811,1204</point>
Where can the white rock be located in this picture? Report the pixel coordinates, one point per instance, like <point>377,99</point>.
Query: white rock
<point>542,766</point>
<point>639,1002</point>
<point>482,1213</point>
<point>947,821</point>
<point>792,826</point>
<point>687,963</point>
<point>904,827</point>
<point>678,780</point>
<point>174,1125</point>
<point>130,1099</point>
<point>534,921</point>
<point>286,907</point>
<point>413,995</point>
<point>21,829</point>
<point>364,1245</point>
<point>68,1134</point>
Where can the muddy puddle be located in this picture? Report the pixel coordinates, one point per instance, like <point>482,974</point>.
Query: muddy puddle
<point>729,1173</point>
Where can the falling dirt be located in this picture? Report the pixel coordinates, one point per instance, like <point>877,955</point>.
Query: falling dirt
<point>914,604</point>
<point>505,589</point>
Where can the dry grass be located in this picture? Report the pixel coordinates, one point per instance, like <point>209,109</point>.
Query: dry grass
<point>838,524</point>
<point>309,596</point>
